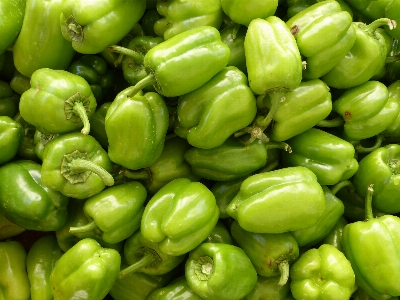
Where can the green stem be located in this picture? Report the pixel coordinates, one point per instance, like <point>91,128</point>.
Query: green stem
<point>336,122</point>
<point>372,27</point>
<point>137,56</point>
<point>284,269</point>
<point>277,97</point>
<point>80,110</point>
<point>235,30</point>
<point>81,165</point>
<point>139,174</point>
<point>140,85</point>
<point>368,203</point>
<point>146,260</point>
<point>85,228</point>
<point>361,149</point>
<point>341,184</point>
<point>279,145</point>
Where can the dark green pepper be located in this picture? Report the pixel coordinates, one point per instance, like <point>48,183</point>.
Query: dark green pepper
<point>268,288</point>
<point>234,36</point>
<point>26,149</point>
<point>11,137</point>
<point>20,83</point>
<point>35,206</point>
<point>224,192</point>
<point>98,124</point>
<point>335,236</point>
<point>9,100</point>
<point>150,17</point>
<point>178,289</point>
<point>220,234</point>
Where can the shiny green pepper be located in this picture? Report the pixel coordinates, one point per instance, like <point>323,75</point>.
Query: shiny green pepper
<point>11,137</point>
<point>11,22</point>
<point>178,289</point>
<point>8,229</point>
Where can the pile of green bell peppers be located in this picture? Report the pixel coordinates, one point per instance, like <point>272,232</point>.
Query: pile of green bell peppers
<point>199,149</point>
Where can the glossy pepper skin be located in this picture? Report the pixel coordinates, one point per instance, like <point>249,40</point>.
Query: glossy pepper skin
<point>87,269</point>
<point>179,16</point>
<point>136,128</point>
<point>66,96</point>
<point>11,22</point>
<point>41,259</point>
<point>9,100</point>
<point>363,60</point>
<point>271,254</point>
<point>322,272</point>
<point>380,169</point>
<point>76,165</point>
<point>202,116</point>
<point>180,216</point>
<point>331,158</point>
<point>115,211</point>
<point>323,21</point>
<point>26,149</point>
<point>302,109</point>
<point>258,205</point>
<point>185,62</point>
<point>34,207</point>
<point>91,27</point>
<point>220,271</point>
<point>335,236</point>
<point>11,137</point>
<point>177,289</point>
<point>40,43</point>
<point>14,279</point>
<point>367,110</point>
<point>377,269</point>
<point>220,234</point>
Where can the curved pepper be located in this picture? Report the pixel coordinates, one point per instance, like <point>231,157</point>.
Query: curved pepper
<point>136,128</point>
<point>40,43</point>
<point>180,216</point>
<point>11,137</point>
<point>76,165</point>
<point>218,271</point>
<point>36,206</point>
<point>278,201</point>
<point>116,212</point>
<point>377,269</point>
<point>179,16</point>
<point>91,27</point>
<point>202,115</point>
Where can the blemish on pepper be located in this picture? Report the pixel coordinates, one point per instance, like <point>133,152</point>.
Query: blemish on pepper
<point>294,30</point>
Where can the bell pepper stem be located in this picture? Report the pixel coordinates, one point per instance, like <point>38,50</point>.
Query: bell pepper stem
<point>361,149</point>
<point>341,184</point>
<point>137,56</point>
<point>380,22</point>
<point>284,269</point>
<point>82,165</point>
<point>143,262</point>
<point>139,174</point>
<point>368,203</point>
<point>279,145</point>
<point>277,97</point>
<point>85,228</point>
<point>255,132</point>
<point>141,84</point>
<point>335,122</point>
<point>80,110</point>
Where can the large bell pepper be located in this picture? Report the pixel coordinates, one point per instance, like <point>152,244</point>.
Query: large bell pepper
<point>91,27</point>
<point>35,206</point>
<point>323,272</point>
<point>86,270</point>
<point>372,246</point>
<point>66,96</point>
<point>202,115</point>
<point>179,16</point>
<point>42,257</point>
<point>14,281</point>
<point>8,100</point>
<point>278,201</point>
<point>11,22</point>
<point>136,128</point>
<point>180,216</point>
<point>40,43</point>
<point>11,136</point>
<point>76,165</point>
<point>220,271</point>
<point>116,211</point>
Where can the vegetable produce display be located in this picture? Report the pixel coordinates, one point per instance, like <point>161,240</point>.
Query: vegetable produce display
<point>199,149</point>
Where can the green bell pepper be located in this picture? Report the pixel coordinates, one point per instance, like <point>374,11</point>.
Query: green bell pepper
<point>9,100</point>
<point>40,43</point>
<point>324,35</point>
<point>224,192</point>
<point>36,206</point>
<point>11,136</point>
<point>331,158</point>
<point>391,11</point>
<point>392,133</point>
<point>26,149</point>
<point>40,140</point>
<point>136,128</point>
<point>14,281</point>
<point>76,165</point>
<point>335,236</point>
<point>177,289</point>
<point>150,17</point>
<point>270,253</point>
<point>184,62</point>
<point>116,211</point>
<point>85,271</point>
<point>180,216</point>
<point>179,16</point>
<point>91,27</point>
<point>98,124</point>
<point>220,234</point>
<point>11,22</point>
<point>146,257</point>
<point>220,271</point>
<point>322,273</point>
<point>202,115</point>
<point>282,200</point>
<point>268,288</point>
<point>234,36</point>
<point>365,58</point>
<point>8,229</point>
<point>42,257</point>
<point>20,83</point>
<point>66,96</point>
<point>377,266</point>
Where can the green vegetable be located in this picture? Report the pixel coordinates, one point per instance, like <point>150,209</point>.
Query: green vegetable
<point>11,22</point>
<point>11,137</point>
<point>8,229</point>
<point>178,289</point>
<point>9,100</point>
